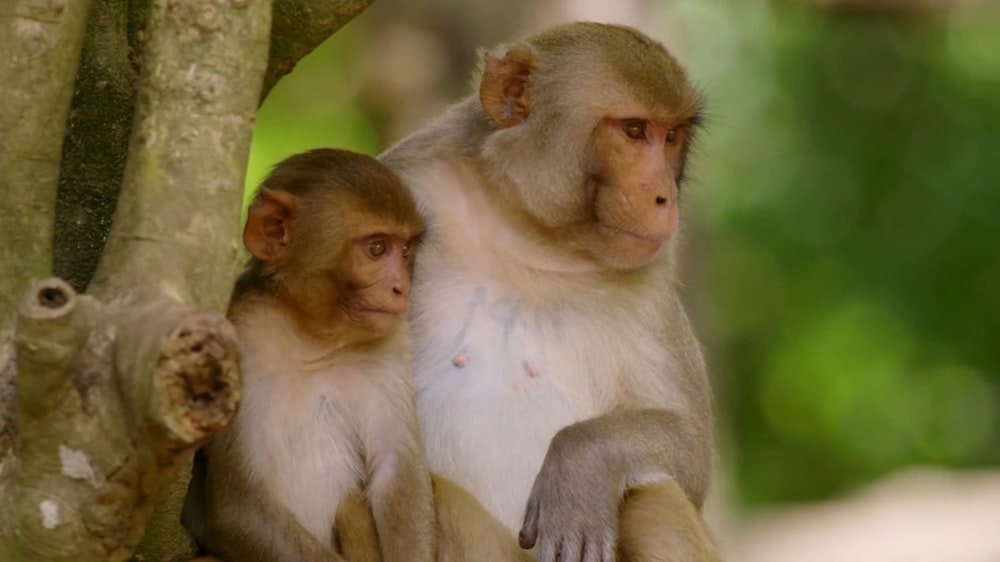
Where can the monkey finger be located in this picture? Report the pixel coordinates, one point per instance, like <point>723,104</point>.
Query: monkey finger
<point>599,546</point>
<point>607,550</point>
<point>529,530</point>
<point>592,552</point>
<point>570,551</point>
<point>550,550</point>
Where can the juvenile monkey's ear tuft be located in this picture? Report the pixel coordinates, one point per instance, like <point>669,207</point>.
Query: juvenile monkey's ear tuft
<point>268,231</point>
<point>504,89</point>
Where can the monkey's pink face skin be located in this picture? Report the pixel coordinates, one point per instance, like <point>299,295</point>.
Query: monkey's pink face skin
<point>636,201</point>
<point>377,295</point>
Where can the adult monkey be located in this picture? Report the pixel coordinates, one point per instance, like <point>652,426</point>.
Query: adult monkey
<point>555,366</point>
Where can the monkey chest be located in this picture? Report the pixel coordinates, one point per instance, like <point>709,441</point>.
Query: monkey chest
<point>305,447</point>
<point>496,378</point>
<point>488,340</point>
<point>478,339</point>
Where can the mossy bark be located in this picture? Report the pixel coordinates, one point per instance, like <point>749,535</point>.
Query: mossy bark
<point>41,43</point>
<point>96,144</point>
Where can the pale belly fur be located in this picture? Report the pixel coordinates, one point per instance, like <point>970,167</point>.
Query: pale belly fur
<point>492,379</point>
<point>304,422</point>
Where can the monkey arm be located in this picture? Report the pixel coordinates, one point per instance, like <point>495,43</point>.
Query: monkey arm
<point>403,508</point>
<point>251,528</point>
<point>399,487</point>
<point>232,514</point>
<point>646,445</point>
<point>577,494</point>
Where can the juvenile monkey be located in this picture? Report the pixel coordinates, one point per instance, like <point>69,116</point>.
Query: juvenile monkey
<point>557,375</point>
<point>327,408</point>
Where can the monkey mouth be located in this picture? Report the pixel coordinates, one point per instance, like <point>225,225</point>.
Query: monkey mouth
<point>377,321</point>
<point>626,249</point>
<point>378,312</point>
<point>619,231</point>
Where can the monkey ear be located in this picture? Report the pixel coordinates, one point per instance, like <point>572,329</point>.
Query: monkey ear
<point>504,88</point>
<point>269,223</point>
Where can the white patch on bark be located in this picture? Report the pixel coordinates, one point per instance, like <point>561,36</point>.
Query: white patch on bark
<point>50,513</point>
<point>75,464</point>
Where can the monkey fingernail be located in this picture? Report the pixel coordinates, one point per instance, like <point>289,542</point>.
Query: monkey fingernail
<point>524,540</point>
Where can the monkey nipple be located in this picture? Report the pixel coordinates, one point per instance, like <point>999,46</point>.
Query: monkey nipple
<point>531,369</point>
<point>460,361</point>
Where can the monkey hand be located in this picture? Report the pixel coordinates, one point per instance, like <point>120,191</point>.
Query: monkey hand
<point>572,512</point>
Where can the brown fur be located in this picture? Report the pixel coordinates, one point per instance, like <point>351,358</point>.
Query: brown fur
<point>659,524</point>
<point>465,530</point>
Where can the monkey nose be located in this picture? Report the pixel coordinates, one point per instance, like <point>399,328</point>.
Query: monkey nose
<point>658,213</point>
<point>662,195</point>
<point>401,289</point>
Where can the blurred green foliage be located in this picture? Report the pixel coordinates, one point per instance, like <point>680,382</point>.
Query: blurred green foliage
<point>847,261</point>
<point>311,108</point>
<point>852,258</point>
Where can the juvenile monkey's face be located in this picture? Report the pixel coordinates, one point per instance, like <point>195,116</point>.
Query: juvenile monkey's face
<point>376,284</point>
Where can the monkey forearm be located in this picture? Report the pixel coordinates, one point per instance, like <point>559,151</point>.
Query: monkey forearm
<point>639,446</point>
<point>253,531</point>
<point>403,508</point>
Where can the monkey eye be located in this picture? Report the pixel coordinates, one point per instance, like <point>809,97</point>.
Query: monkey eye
<point>672,135</point>
<point>376,248</point>
<point>634,129</point>
<point>408,248</point>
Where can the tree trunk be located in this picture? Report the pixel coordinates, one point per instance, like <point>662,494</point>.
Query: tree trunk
<point>104,395</point>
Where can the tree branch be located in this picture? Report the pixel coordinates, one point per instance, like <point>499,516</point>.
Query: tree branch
<point>181,369</point>
<point>188,392</point>
<point>52,326</point>
<point>41,43</point>
<point>110,404</point>
<point>178,214</point>
<point>299,27</point>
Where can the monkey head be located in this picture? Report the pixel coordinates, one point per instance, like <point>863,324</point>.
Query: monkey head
<point>591,126</point>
